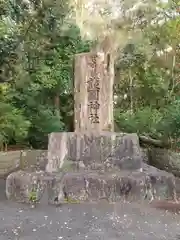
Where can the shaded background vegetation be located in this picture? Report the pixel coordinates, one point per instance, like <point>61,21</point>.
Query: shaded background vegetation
<point>38,41</point>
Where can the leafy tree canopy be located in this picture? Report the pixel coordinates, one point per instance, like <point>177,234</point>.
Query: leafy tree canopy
<point>38,40</point>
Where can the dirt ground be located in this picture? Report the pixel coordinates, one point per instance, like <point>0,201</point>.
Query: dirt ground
<point>103,221</point>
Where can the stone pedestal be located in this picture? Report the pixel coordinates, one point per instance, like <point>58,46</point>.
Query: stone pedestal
<point>77,187</point>
<point>96,151</point>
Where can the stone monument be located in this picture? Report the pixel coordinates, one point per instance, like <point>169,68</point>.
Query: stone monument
<point>108,164</point>
<point>93,92</point>
<point>94,142</point>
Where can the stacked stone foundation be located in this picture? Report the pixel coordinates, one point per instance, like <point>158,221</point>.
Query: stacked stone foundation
<point>103,165</point>
<point>77,187</point>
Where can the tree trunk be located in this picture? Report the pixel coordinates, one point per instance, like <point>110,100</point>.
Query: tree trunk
<point>131,90</point>
<point>160,156</point>
<point>57,102</point>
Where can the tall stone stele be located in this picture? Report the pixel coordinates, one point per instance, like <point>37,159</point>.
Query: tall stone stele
<point>93,92</point>
<point>93,108</point>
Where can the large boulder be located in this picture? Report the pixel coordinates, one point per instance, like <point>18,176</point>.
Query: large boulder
<point>94,150</point>
<point>165,159</point>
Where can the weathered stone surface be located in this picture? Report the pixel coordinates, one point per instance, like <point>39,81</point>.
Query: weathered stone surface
<point>95,150</point>
<point>114,186</point>
<point>57,150</point>
<point>25,159</point>
<point>93,92</point>
<point>165,159</point>
<point>35,160</point>
<point>92,186</point>
<point>19,185</point>
<point>144,154</point>
<point>41,161</point>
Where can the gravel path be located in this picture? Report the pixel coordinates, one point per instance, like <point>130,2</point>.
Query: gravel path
<point>86,222</point>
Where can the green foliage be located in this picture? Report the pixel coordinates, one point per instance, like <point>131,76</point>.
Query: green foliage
<point>38,41</point>
<point>33,196</point>
<point>12,123</point>
<point>37,61</point>
<point>143,121</point>
<point>147,73</point>
<point>170,126</point>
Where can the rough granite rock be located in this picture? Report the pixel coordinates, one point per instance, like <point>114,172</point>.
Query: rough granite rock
<point>103,150</point>
<point>113,186</point>
<point>144,154</point>
<point>165,159</point>
<point>19,185</point>
<point>92,185</point>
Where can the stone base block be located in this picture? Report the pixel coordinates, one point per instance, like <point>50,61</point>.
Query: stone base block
<point>20,184</point>
<point>94,151</point>
<point>92,186</point>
